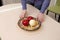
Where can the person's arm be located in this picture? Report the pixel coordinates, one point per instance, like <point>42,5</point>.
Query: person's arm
<point>23,4</point>
<point>44,5</point>
<point>24,11</point>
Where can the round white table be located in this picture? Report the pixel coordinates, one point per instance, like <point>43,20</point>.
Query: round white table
<point>9,30</point>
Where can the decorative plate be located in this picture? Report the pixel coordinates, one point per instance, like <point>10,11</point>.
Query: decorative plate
<point>29,28</point>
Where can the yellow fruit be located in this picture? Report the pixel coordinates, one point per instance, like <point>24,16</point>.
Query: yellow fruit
<point>33,23</point>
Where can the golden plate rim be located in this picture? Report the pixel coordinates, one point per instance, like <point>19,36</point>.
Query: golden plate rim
<point>27,29</point>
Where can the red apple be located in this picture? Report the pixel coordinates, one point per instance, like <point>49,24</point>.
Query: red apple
<point>25,22</point>
<point>29,18</point>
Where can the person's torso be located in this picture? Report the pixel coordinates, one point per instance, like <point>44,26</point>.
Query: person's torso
<point>36,2</point>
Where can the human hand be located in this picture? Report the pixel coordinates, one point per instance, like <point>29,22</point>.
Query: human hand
<point>23,14</point>
<point>40,17</point>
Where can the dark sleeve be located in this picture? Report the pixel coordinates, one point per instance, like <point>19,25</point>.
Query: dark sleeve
<point>45,5</point>
<point>23,4</point>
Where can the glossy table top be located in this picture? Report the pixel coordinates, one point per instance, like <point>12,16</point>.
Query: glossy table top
<point>9,30</point>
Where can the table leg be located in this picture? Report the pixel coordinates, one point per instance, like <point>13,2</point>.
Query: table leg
<point>47,12</point>
<point>59,18</point>
<point>0,38</point>
<point>1,3</point>
<point>55,15</point>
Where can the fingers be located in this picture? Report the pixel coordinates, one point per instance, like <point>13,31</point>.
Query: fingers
<point>23,14</point>
<point>41,19</point>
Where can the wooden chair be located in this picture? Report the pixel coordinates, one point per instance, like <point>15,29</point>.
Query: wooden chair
<point>55,9</point>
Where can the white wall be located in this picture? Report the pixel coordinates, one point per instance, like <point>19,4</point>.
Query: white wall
<point>5,2</point>
<point>18,1</point>
<point>53,2</point>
